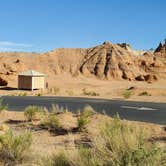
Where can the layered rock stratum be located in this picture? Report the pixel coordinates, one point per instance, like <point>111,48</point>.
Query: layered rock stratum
<point>106,61</point>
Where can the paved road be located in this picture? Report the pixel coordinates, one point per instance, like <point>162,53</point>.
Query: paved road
<point>138,111</point>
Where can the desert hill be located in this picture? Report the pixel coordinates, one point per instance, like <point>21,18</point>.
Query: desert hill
<point>106,61</point>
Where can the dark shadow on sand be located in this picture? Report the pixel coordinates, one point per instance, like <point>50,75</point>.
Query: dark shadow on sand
<point>11,121</point>
<point>8,88</point>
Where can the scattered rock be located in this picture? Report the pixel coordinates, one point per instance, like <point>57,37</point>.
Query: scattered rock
<point>3,82</point>
<point>127,76</point>
<point>131,88</point>
<point>17,61</point>
<point>150,78</point>
<point>140,78</point>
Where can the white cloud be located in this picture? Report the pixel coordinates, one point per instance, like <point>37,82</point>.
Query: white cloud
<point>8,46</point>
<point>8,49</point>
<point>13,44</point>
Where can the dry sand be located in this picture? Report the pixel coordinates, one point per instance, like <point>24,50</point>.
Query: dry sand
<point>66,85</point>
<point>45,142</point>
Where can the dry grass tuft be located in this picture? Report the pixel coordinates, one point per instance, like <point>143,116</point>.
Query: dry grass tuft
<point>14,148</point>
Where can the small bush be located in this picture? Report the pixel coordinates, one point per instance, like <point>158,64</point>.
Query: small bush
<point>117,144</point>
<point>127,94</point>
<point>51,122</point>
<point>84,117</point>
<point>2,106</point>
<point>22,94</point>
<point>56,109</point>
<point>88,111</point>
<point>144,94</point>
<point>39,94</point>
<point>60,159</point>
<point>82,122</point>
<point>54,90</point>
<point>13,148</point>
<point>70,92</point>
<point>123,144</point>
<point>90,93</point>
<point>31,112</point>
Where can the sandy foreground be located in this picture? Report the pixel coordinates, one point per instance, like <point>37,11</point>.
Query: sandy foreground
<point>45,142</point>
<point>66,85</point>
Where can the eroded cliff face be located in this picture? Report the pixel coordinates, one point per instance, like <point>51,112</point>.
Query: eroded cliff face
<point>107,61</point>
<point>160,60</point>
<point>161,50</point>
<point>111,61</point>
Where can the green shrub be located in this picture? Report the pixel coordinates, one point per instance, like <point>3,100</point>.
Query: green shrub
<point>84,117</point>
<point>75,157</point>
<point>31,112</point>
<point>82,122</point>
<point>59,159</point>
<point>88,111</point>
<point>84,156</point>
<point>2,106</point>
<point>144,94</point>
<point>54,90</point>
<point>22,94</point>
<point>70,92</point>
<point>90,93</point>
<point>51,122</point>
<point>13,148</point>
<point>39,94</point>
<point>123,144</point>
<point>127,94</point>
<point>118,144</point>
<point>55,109</point>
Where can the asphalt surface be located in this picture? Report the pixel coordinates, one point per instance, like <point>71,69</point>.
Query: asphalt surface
<point>130,110</point>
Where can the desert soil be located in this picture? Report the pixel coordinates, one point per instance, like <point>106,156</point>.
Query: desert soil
<point>66,85</point>
<point>45,142</point>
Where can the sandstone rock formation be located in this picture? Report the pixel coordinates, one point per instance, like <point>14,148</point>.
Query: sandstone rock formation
<point>106,61</point>
<point>161,50</point>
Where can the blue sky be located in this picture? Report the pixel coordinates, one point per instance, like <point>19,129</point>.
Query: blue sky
<point>42,25</point>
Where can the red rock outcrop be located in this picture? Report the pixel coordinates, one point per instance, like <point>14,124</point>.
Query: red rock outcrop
<point>105,61</point>
<point>161,50</point>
